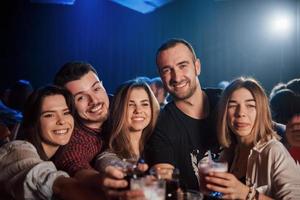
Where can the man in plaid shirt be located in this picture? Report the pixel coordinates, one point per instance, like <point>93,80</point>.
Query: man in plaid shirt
<point>92,106</point>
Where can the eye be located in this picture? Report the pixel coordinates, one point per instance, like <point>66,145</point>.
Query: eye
<point>131,104</point>
<point>165,70</point>
<point>232,105</point>
<point>182,66</point>
<point>67,112</point>
<point>80,98</point>
<point>97,89</point>
<point>145,104</point>
<point>251,106</point>
<point>48,115</point>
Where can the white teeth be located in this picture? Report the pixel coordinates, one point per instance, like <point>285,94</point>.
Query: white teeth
<point>61,132</point>
<point>138,118</point>
<point>180,85</point>
<point>96,108</point>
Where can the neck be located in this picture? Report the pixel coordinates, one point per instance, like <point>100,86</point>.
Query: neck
<point>135,141</point>
<point>49,149</point>
<point>94,126</point>
<point>197,106</point>
<point>246,141</point>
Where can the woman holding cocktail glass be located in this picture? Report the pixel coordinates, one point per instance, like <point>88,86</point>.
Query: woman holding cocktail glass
<point>133,117</point>
<point>259,165</point>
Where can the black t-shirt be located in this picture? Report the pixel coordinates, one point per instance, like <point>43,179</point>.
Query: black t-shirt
<point>182,141</point>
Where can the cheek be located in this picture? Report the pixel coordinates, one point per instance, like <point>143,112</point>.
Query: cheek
<point>44,127</point>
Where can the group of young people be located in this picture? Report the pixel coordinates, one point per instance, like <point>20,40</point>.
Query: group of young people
<point>73,133</point>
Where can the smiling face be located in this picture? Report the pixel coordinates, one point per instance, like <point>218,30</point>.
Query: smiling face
<point>91,100</point>
<point>56,122</point>
<point>241,114</point>
<point>138,110</point>
<point>179,70</point>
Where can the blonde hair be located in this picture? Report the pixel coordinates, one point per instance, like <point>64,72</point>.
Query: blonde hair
<point>263,126</point>
<point>119,141</point>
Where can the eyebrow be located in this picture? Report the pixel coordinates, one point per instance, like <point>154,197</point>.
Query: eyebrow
<point>53,111</point>
<point>144,100</point>
<point>247,100</point>
<point>95,83</point>
<point>183,62</point>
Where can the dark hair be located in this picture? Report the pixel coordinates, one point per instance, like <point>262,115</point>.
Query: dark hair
<point>119,141</point>
<point>158,83</point>
<point>32,113</point>
<point>18,94</point>
<point>172,43</point>
<point>294,85</point>
<point>284,105</point>
<point>72,71</point>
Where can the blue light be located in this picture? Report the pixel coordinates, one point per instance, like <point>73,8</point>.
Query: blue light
<point>64,2</point>
<point>142,6</point>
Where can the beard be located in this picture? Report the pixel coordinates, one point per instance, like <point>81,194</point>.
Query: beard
<point>92,121</point>
<point>186,95</point>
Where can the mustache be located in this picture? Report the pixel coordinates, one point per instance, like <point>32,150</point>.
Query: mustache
<point>175,82</point>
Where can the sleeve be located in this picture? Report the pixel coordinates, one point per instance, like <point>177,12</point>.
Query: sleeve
<point>105,159</point>
<point>74,156</point>
<point>159,148</point>
<point>39,181</point>
<point>285,173</point>
<point>25,175</point>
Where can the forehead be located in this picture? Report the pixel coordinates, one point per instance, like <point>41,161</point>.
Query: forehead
<point>138,94</point>
<point>83,84</point>
<point>175,54</point>
<point>241,94</point>
<point>53,102</point>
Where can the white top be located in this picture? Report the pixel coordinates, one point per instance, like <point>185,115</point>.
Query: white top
<point>273,171</point>
<point>24,174</point>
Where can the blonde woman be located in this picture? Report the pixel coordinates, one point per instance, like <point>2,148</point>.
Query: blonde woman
<point>133,117</point>
<point>259,165</point>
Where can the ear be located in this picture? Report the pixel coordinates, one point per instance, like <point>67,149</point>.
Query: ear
<point>198,66</point>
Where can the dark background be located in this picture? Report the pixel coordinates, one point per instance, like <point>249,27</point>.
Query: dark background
<point>231,37</point>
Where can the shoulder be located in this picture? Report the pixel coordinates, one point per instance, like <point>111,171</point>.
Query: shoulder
<point>274,150</point>
<point>17,147</point>
<point>213,95</point>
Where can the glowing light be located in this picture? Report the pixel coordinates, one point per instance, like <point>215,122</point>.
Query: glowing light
<point>281,24</point>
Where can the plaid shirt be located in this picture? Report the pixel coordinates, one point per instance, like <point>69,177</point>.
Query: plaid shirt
<point>80,152</point>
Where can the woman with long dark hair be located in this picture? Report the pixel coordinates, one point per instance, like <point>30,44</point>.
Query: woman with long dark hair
<point>26,170</point>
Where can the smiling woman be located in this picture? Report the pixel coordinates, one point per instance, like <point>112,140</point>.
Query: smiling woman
<point>25,169</point>
<point>132,120</point>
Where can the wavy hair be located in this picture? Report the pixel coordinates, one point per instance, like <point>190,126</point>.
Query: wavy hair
<point>119,141</point>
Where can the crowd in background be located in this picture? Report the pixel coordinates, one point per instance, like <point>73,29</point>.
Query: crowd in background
<point>66,140</point>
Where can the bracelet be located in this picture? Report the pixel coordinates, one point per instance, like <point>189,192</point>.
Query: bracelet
<point>252,193</point>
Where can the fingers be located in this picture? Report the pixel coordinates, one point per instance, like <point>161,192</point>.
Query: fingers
<point>143,167</point>
<point>114,183</point>
<point>114,172</point>
<point>125,195</point>
<point>223,175</point>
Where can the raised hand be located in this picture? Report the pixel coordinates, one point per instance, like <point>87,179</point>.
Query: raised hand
<point>227,184</point>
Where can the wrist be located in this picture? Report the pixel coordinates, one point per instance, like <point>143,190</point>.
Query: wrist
<point>252,194</point>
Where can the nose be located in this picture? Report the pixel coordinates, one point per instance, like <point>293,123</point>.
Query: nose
<point>137,109</point>
<point>241,111</point>
<point>93,99</point>
<point>60,120</point>
<point>175,75</point>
